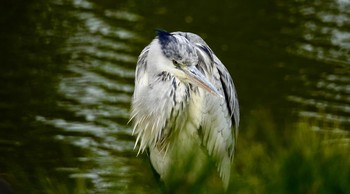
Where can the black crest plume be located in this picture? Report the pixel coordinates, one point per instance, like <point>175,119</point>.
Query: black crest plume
<point>168,43</point>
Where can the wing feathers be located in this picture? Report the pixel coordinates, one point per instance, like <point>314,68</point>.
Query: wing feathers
<point>219,115</point>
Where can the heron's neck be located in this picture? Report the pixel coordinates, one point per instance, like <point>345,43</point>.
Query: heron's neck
<point>185,104</point>
<point>171,106</point>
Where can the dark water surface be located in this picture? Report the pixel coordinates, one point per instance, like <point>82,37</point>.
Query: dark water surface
<point>67,73</point>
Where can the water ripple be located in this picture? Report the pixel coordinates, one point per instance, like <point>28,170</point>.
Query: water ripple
<point>325,39</point>
<point>96,88</point>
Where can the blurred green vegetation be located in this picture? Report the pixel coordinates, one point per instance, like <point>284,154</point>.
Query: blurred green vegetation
<point>293,160</point>
<point>303,158</point>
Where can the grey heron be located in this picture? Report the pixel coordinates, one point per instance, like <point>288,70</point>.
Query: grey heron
<point>184,108</point>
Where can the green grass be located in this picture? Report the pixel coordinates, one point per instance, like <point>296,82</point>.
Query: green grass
<point>293,160</point>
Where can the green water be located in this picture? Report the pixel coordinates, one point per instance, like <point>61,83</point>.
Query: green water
<point>67,71</point>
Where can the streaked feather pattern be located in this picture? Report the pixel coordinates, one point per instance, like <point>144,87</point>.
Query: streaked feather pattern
<point>167,111</point>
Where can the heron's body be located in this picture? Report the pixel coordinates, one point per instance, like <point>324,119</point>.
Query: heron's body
<point>184,108</point>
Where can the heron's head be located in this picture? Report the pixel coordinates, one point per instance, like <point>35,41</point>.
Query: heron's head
<point>182,60</point>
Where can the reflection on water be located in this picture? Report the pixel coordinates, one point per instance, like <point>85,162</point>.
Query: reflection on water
<point>324,40</point>
<point>68,71</point>
<point>88,114</point>
<point>96,88</point>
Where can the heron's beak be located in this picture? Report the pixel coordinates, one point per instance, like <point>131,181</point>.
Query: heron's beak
<point>196,77</point>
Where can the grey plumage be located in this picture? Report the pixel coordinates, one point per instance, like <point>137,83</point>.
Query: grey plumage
<point>184,107</point>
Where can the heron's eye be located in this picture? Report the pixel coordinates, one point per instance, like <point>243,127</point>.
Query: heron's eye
<point>176,63</point>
